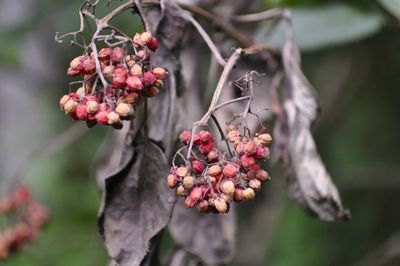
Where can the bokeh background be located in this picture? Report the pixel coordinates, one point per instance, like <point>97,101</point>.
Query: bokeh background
<point>351,54</point>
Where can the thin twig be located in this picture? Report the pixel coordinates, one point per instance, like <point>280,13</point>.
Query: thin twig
<point>206,38</point>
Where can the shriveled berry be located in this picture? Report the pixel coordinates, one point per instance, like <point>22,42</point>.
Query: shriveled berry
<point>160,72</point>
<point>182,171</point>
<point>113,118</point>
<point>102,117</point>
<point>125,110</point>
<point>92,107</point>
<point>134,83</point>
<point>228,187</point>
<point>230,170</point>
<point>188,181</point>
<point>214,170</point>
<point>255,184</point>
<point>64,100</point>
<point>70,106</point>
<point>172,180</point>
<point>117,54</point>
<point>145,37</point>
<point>189,202</point>
<point>105,53</point>
<point>262,175</point>
<point>196,193</point>
<point>197,166</point>
<point>136,70</point>
<point>205,136</point>
<point>221,205</point>
<point>206,147</point>
<point>149,78</point>
<point>81,112</point>
<point>202,206</point>
<point>247,161</point>
<point>265,138</point>
<point>180,191</point>
<point>238,195</point>
<point>212,155</point>
<point>185,136</point>
<point>248,194</point>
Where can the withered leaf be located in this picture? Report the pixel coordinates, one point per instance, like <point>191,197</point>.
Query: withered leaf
<point>310,185</point>
<point>135,205</point>
<point>210,237</point>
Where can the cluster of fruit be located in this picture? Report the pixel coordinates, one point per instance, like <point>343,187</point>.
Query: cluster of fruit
<point>32,216</point>
<point>129,77</point>
<point>211,179</point>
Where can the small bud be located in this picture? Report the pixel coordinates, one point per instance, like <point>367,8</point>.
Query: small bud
<point>196,193</point>
<point>134,83</point>
<point>228,188</point>
<point>238,195</point>
<point>185,136</point>
<point>248,194</point>
<point>160,72</point>
<point>262,175</point>
<point>255,184</point>
<point>221,205</point>
<point>70,106</point>
<point>64,100</point>
<point>197,166</point>
<point>172,180</point>
<point>136,70</point>
<point>230,170</point>
<point>214,170</point>
<point>145,37</point>
<point>265,138</point>
<point>124,110</point>
<point>113,118</point>
<point>182,171</point>
<point>188,181</point>
<point>92,107</point>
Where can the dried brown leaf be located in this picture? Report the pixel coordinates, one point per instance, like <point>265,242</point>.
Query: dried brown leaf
<point>135,205</point>
<point>310,185</point>
<point>210,237</point>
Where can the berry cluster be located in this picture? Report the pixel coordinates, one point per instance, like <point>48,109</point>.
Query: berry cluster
<point>130,78</point>
<point>32,216</point>
<point>211,179</point>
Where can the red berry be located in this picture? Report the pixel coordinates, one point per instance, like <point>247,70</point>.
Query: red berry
<point>152,44</point>
<point>149,78</point>
<point>102,117</point>
<point>196,193</point>
<point>81,112</point>
<point>247,161</point>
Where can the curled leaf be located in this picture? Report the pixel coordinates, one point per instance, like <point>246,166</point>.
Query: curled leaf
<point>310,185</point>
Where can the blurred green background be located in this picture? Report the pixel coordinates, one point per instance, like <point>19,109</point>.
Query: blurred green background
<point>351,54</point>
